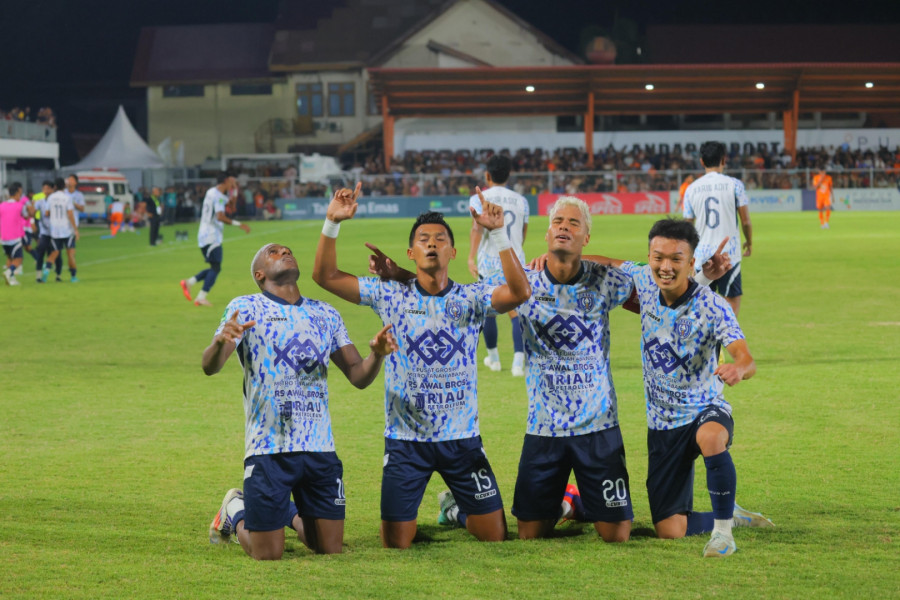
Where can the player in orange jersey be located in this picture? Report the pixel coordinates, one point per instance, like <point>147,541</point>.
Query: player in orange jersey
<point>824,196</point>
<point>684,186</point>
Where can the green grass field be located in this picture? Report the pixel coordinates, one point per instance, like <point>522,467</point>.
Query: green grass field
<point>117,449</point>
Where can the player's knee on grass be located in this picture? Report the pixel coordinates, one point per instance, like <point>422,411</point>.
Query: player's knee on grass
<point>267,545</point>
<point>614,533</point>
<point>397,534</point>
<point>488,528</point>
<point>671,528</point>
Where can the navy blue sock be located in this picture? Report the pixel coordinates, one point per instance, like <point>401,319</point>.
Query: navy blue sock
<point>490,332</point>
<point>721,480</point>
<point>518,346</point>
<point>698,523</point>
<point>238,517</point>
<point>461,517</point>
<point>72,272</point>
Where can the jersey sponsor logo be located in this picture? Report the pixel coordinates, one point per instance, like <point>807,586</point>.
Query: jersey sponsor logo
<point>412,311</point>
<point>564,332</point>
<point>664,357</point>
<point>586,301</point>
<point>683,328</point>
<point>270,319</point>
<point>654,317</point>
<point>549,299</point>
<point>439,347</point>
<point>300,356</point>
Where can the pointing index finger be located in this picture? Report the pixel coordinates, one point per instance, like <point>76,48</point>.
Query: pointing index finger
<point>374,249</point>
<point>722,245</point>
<point>357,190</point>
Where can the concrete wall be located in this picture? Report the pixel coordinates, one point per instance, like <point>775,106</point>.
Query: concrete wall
<point>216,123</point>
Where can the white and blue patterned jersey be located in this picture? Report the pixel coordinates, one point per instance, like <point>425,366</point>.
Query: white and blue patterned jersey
<point>58,206</point>
<point>565,327</point>
<point>430,384</point>
<point>515,218</point>
<point>712,202</point>
<point>77,200</point>
<point>43,207</point>
<point>285,358</point>
<point>211,228</point>
<point>679,349</point>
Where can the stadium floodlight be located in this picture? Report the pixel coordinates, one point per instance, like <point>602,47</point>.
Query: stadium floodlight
<point>869,85</point>
<point>529,88</point>
<point>760,85</point>
<point>649,87</point>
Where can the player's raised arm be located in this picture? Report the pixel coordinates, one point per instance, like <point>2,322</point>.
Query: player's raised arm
<point>743,366</point>
<point>216,354</point>
<point>325,270</point>
<point>359,371</point>
<point>516,290</point>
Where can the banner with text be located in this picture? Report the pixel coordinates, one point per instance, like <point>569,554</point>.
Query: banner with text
<point>630,203</point>
<point>383,206</point>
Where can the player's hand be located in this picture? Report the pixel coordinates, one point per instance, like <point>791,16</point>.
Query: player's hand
<point>382,265</point>
<point>232,331</point>
<point>538,262</point>
<point>245,228</point>
<point>729,373</point>
<point>384,343</point>
<point>473,268</point>
<point>343,204</point>
<point>718,264</point>
<point>77,235</point>
<point>491,216</point>
<point>747,248</point>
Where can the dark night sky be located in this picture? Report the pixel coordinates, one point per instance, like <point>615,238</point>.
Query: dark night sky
<point>76,55</point>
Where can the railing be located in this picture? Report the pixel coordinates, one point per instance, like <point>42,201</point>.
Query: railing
<point>23,130</point>
<point>568,182</point>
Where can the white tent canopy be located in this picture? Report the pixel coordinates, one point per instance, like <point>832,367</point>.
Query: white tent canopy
<point>120,148</point>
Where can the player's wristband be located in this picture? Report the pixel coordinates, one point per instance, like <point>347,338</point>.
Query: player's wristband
<point>235,222</point>
<point>500,239</point>
<point>702,279</point>
<point>330,228</point>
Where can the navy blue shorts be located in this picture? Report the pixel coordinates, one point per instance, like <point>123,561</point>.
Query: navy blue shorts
<point>60,244</point>
<point>598,460</point>
<point>212,253</point>
<point>13,250</point>
<point>316,480</point>
<point>670,468</point>
<point>27,238</point>
<point>729,284</point>
<point>461,463</point>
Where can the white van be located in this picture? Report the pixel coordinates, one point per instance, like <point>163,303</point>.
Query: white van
<point>96,186</point>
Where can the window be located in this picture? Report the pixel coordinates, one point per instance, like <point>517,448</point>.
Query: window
<point>251,89</point>
<point>183,91</point>
<point>372,104</point>
<point>118,188</point>
<point>341,99</point>
<point>309,100</point>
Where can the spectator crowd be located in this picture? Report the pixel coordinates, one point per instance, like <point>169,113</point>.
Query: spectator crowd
<point>44,115</point>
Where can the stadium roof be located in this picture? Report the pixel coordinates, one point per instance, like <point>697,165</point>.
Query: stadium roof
<point>203,54</point>
<point>786,88</point>
<point>622,89</point>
